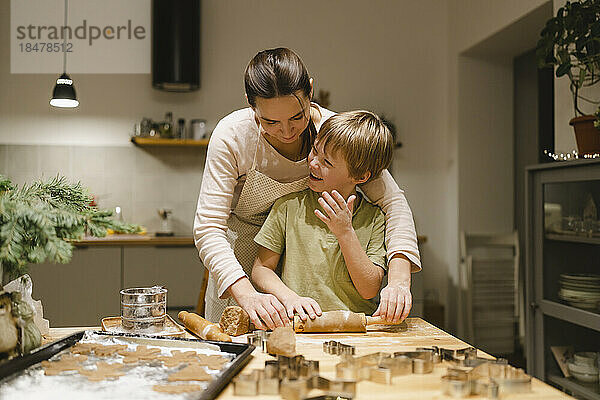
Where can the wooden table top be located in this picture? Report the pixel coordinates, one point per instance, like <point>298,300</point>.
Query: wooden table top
<point>419,334</point>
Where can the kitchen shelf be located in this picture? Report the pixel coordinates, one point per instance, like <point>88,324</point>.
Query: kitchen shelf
<point>162,142</point>
<point>573,315</point>
<point>587,390</point>
<point>573,238</point>
<point>569,187</point>
<point>136,240</point>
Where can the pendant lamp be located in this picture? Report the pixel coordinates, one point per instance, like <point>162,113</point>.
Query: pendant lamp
<point>63,95</point>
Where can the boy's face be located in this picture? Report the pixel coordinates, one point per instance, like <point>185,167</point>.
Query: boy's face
<point>329,172</point>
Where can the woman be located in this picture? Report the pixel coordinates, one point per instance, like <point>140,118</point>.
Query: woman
<point>257,155</point>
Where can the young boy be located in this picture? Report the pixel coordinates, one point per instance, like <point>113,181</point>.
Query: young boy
<point>329,240</point>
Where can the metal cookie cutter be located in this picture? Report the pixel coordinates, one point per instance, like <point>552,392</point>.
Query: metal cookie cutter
<point>255,383</point>
<point>337,348</point>
<point>490,378</point>
<point>259,339</point>
<point>422,360</point>
<point>359,368</point>
<point>298,389</point>
<point>292,367</point>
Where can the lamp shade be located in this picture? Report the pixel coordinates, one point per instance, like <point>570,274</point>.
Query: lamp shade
<point>63,94</point>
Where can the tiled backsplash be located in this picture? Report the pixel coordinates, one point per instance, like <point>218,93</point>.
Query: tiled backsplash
<point>139,180</point>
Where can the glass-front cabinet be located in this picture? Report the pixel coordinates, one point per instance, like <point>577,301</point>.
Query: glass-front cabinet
<point>563,275</point>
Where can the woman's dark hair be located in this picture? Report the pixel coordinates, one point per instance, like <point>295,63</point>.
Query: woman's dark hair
<point>278,72</point>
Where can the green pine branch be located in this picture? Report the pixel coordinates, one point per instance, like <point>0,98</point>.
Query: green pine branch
<point>39,222</point>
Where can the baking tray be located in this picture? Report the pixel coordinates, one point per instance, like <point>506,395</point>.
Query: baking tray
<point>171,328</point>
<point>241,350</point>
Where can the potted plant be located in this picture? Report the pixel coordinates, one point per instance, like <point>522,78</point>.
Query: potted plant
<point>571,43</point>
<point>40,222</point>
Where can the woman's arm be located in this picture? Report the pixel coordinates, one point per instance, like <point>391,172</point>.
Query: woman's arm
<point>400,236</point>
<point>221,173</point>
<point>401,244</point>
<point>365,275</point>
<point>265,278</point>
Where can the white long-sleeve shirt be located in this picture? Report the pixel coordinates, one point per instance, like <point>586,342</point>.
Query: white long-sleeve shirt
<point>230,155</point>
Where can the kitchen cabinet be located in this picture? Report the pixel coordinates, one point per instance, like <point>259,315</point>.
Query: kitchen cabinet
<point>563,237</point>
<point>81,292</point>
<point>177,268</point>
<point>86,290</point>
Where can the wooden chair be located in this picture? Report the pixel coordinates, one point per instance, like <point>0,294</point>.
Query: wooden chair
<point>200,305</point>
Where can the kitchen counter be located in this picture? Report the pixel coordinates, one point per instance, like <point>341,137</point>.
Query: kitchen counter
<point>419,334</point>
<point>136,240</point>
<point>151,240</point>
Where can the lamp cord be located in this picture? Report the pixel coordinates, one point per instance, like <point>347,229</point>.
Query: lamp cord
<point>64,49</point>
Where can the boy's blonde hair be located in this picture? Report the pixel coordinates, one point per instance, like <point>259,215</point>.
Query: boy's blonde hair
<point>361,138</point>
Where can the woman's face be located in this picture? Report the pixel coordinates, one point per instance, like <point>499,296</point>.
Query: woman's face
<point>284,118</point>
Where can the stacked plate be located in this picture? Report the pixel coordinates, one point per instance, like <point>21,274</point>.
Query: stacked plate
<point>580,290</point>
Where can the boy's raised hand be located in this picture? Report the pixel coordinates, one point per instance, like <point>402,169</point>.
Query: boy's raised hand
<point>302,306</point>
<point>339,213</point>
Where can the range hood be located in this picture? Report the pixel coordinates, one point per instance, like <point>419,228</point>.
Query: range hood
<point>176,45</point>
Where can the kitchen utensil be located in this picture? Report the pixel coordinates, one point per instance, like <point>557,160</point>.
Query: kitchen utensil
<point>143,308</point>
<point>165,224</point>
<point>170,328</point>
<point>203,328</point>
<point>180,134</point>
<point>198,129</point>
<point>339,321</point>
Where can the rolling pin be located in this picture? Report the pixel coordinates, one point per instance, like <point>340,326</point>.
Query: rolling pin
<point>203,328</point>
<point>338,321</point>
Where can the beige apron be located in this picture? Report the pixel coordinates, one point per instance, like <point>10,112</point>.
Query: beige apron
<point>255,201</point>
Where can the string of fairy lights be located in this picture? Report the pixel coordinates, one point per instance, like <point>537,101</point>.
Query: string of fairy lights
<point>574,155</point>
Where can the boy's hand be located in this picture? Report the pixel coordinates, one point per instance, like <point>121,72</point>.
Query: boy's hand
<point>339,213</point>
<point>395,302</point>
<point>302,305</point>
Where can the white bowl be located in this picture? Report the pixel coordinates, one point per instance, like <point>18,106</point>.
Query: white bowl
<point>588,378</point>
<point>586,358</point>
<point>582,369</point>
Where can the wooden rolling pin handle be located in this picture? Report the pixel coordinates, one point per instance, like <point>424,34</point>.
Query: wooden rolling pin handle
<point>379,320</point>
<point>203,328</point>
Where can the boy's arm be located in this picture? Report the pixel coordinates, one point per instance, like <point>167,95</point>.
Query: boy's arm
<point>365,275</point>
<point>265,278</point>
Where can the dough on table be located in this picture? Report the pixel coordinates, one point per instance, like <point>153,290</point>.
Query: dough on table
<point>282,341</point>
<point>193,372</point>
<point>175,389</point>
<point>83,348</point>
<point>67,362</point>
<point>141,352</point>
<point>212,361</point>
<point>235,321</point>
<point>103,371</point>
<point>178,357</point>
<point>108,350</point>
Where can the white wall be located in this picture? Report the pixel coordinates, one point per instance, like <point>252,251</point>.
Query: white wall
<point>483,39</point>
<point>386,56</point>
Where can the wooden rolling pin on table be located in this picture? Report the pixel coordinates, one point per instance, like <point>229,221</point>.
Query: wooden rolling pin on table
<point>339,321</point>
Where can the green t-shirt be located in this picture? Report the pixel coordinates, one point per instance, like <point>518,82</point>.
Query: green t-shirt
<point>311,260</point>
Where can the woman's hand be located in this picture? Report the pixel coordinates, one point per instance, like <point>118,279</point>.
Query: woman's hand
<point>395,299</point>
<point>395,302</point>
<point>339,213</point>
<point>302,305</point>
<point>265,308</point>
<point>261,307</point>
